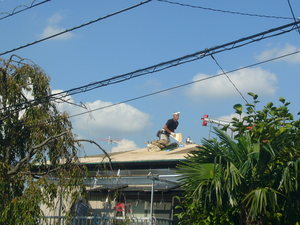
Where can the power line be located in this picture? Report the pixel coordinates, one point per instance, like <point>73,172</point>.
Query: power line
<point>225,11</point>
<point>76,27</point>
<point>181,60</point>
<point>25,7</point>
<point>172,88</point>
<point>183,85</point>
<point>240,93</point>
<point>165,65</point>
<point>293,14</point>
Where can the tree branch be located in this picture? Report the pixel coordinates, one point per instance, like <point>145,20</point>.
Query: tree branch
<point>48,140</point>
<point>95,143</point>
<point>31,152</point>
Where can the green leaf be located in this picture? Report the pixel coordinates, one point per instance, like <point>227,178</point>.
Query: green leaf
<point>281,99</point>
<point>269,105</point>
<point>288,125</point>
<point>254,96</point>
<point>238,108</point>
<point>280,130</point>
<point>235,119</point>
<point>272,112</point>
<point>259,199</point>
<point>250,109</point>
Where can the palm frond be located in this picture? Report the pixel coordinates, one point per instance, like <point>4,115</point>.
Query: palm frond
<point>196,171</point>
<point>260,200</point>
<point>203,181</point>
<point>290,177</point>
<point>233,153</point>
<point>251,158</point>
<point>232,176</point>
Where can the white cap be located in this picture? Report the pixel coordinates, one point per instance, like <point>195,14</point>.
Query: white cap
<point>176,113</point>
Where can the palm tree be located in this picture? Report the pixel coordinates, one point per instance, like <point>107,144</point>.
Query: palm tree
<point>249,180</point>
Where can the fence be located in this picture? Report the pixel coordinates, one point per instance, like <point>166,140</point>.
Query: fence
<point>97,220</point>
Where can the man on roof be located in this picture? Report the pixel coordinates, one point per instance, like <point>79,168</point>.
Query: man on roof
<point>165,133</point>
<point>172,124</point>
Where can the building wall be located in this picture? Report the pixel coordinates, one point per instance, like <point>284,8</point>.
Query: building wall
<point>137,204</point>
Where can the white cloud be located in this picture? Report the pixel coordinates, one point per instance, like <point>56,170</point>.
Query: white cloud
<point>114,121</point>
<point>121,118</point>
<point>54,19</point>
<point>247,80</point>
<point>124,145</point>
<point>279,51</point>
<point>53,28</point>
<point>228,118</point>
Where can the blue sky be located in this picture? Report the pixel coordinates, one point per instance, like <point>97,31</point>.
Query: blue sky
<point>147,35</point>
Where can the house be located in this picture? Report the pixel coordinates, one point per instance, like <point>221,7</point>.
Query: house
<point>135,184</point>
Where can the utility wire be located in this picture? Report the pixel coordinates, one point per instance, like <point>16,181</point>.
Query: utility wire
<point>25,7</point>
<point>164,65</point>
<point>32,63</point>
<point>76,27</point>
<point>178,86</point>
<point>181,60</point>
<point>240,93</point>
<point>186,84</point>
<point>225,11</point>
<point>293,14</point>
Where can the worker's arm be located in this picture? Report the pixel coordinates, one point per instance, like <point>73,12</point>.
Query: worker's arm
<point>167,129</point>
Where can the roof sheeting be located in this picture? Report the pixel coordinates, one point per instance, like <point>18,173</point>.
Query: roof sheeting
<point>142,155</point>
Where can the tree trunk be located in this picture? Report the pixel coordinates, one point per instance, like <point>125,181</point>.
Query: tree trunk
<point>246,219</point>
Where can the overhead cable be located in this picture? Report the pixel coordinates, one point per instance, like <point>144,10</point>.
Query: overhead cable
<point>225,11</point>
<point>292,11</point>
<point>165,65</point>
<point>172,88</point>
<point>76,27</point>
<point>180,86</point>
<point>233,84</point>
<point>182,60</point>
<point>186,84</point>
<point>24,8</point>
<point>25,61</point>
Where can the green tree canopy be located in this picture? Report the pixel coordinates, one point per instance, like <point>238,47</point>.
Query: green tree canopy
<point>252,178</point>
<point>36,145</point>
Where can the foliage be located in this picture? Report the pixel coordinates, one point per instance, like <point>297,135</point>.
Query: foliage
<point>252,178</point>
<point>36,145</point>
<point>125,221</point>
<point>191,213</point>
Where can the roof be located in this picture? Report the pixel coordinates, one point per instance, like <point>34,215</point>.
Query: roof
<point>141,155</point>
<point>137,169</point>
